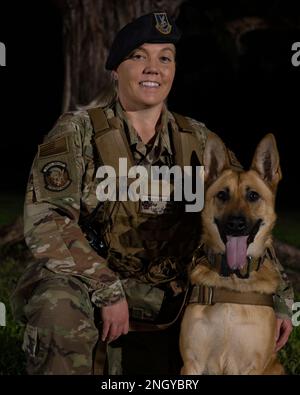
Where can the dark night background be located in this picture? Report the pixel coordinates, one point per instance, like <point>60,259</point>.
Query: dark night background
<point>241,99</point>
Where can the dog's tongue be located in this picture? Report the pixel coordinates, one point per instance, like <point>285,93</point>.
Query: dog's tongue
<point>236,251</point>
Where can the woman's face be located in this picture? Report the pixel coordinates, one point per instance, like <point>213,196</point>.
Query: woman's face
<point>146,76</point>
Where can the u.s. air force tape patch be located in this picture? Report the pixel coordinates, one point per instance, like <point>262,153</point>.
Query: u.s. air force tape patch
<point>56,176</point>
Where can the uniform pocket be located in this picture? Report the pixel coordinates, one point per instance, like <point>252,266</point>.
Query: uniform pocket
<point>36,345</point>
<point>30,341</point>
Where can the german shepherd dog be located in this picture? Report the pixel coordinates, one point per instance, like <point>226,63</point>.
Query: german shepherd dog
<point>232,330</point>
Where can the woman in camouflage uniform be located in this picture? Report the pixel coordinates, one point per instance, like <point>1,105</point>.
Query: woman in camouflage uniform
<point>140,251</point>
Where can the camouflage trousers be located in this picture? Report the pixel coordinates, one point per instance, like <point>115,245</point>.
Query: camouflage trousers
<point>60,336</point>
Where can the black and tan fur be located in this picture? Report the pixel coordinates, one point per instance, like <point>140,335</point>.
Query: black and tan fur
<point>230,338</point>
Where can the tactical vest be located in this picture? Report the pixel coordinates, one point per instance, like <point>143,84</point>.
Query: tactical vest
<point>148,241</point>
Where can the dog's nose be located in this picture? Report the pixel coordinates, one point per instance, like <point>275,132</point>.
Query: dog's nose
<point>236,225</point>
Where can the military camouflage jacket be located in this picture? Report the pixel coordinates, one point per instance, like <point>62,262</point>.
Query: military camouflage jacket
<point>62,185</point>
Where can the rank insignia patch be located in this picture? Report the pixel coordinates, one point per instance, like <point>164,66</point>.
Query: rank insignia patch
<point>162,23</point>
<point>56,176</point>
<point>156,207</point>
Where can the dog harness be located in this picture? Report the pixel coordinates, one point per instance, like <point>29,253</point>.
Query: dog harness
<point>203,294</point>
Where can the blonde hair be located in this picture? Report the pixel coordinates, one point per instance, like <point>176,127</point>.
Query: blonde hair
<point>106,97</point>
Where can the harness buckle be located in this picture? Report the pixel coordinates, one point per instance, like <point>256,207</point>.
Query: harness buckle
<point>205,295</point>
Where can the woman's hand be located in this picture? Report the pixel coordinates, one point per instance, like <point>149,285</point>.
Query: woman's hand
<point>284,329</point>
<point>115,320</point>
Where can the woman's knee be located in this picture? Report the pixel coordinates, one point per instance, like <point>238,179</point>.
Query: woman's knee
<point>59,301</point>
<point>60,334</point>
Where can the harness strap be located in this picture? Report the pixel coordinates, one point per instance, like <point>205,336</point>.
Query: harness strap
<point>183,123</point>
<point>98,118</point>
<point>188,150</point>
<point>110,140</point>
<point>203,294</point>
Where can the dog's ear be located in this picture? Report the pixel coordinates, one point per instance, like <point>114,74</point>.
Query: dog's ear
<point>215,158</point>
<point>266,161</point>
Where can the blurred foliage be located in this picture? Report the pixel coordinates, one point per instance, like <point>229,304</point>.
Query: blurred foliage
<point>287,228</point>
<point>12,359</point>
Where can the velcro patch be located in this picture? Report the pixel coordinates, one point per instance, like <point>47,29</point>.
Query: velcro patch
<point>55,147</point>
<point>56,176</point>
<point>156,207</point>
<point>55,169</point>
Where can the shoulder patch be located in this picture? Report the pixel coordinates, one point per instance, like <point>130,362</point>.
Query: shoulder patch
<point>55,171</point>
<point>56,176</point>
<point>54,147</point>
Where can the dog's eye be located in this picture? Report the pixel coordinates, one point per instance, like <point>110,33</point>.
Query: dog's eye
<point>223,195</point>
<point>252,196</point>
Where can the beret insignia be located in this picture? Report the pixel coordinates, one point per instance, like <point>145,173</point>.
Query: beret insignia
<point>162,23</point>
<point>56,176</point>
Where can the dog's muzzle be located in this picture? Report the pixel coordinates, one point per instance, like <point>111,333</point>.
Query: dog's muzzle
<point>237,234</point>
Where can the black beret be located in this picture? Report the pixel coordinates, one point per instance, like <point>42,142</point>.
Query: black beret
<point>156,27</point>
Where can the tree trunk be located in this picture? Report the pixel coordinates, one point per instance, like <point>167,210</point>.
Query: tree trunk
<point>89,27</point>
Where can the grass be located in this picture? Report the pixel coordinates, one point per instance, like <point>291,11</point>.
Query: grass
<point>287,228</point>
<point>12,359</point>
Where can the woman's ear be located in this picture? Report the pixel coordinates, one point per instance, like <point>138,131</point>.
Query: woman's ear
<point>114,75</point>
